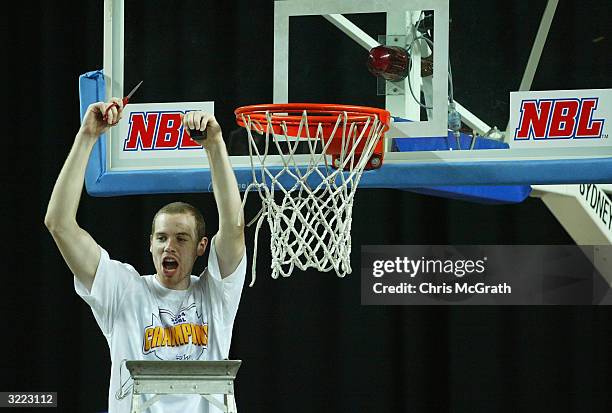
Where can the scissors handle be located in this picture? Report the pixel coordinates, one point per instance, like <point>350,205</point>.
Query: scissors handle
<point>125,101</point>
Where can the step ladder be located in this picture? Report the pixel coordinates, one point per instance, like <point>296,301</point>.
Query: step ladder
<point>206,378</point>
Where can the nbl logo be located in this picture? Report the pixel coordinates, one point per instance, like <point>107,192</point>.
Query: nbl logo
<point>558,119</point>
<point>157,131</point>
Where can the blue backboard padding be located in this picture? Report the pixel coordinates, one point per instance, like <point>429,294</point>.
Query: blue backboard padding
<point>485,194</point>
<point>91,90</point>
<point>406,175</point>
<point>443,144</point>
<point>482,194</point>
<point>414,175</point>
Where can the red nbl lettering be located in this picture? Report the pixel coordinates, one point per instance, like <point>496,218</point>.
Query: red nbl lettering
<point>145,134</point>
<point>563,120</point>
<point>534,119</point>
<point>587,127</point>
<point>141,132</point>
<point>168,132</point>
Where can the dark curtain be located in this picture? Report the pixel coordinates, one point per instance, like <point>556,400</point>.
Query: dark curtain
<point>307,342</point>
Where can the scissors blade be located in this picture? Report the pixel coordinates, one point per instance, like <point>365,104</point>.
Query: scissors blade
<point>134,90</point>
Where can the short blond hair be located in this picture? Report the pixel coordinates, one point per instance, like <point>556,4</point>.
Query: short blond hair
<point>183,208</point>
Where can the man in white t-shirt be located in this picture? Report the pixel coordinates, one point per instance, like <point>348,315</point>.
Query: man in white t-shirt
<point>171,315</point>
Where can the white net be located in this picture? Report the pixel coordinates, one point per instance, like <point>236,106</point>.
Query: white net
<point>306,201</point>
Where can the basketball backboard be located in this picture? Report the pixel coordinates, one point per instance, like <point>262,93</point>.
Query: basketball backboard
<point>419,150</point>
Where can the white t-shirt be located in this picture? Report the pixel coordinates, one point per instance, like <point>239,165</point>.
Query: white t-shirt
<point>143,320</point>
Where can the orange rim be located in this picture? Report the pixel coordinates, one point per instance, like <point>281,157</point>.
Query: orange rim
<point>321,116</point>
<point>325,114</point>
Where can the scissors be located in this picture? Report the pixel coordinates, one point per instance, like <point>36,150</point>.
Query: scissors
<point>125,100</point>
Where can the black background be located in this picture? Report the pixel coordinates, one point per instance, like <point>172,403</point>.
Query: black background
<point>307,343</point>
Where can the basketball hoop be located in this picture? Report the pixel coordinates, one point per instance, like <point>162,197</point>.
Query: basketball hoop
<point>310,217</point>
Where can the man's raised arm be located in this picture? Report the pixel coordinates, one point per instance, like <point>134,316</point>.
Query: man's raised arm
<point>229,240</point>
<point>78,248</point>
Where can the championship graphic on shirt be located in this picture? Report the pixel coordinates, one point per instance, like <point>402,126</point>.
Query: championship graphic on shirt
<point>182,336</point>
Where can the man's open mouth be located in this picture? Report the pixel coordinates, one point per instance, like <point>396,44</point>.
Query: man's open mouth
<point>169,264</point>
